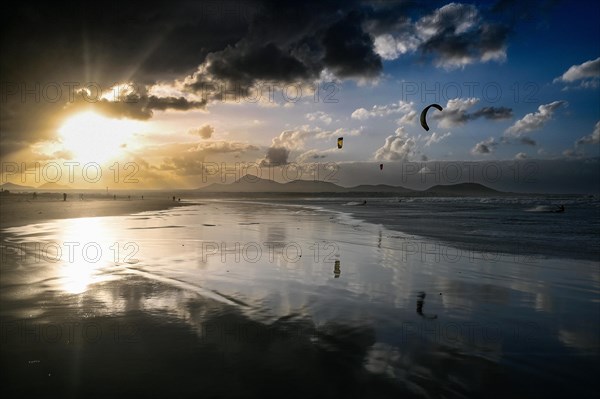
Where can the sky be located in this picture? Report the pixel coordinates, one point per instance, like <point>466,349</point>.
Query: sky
<point>182,94</point>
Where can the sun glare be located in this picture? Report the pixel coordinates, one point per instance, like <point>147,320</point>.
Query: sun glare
<point>92,249</point>
<point>90,137</point>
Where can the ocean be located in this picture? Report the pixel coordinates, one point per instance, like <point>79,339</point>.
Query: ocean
<point>517,225</point>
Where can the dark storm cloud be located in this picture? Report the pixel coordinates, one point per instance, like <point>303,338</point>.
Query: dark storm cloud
<point>492,113</point>
<point>115,39</point>
<point>204,131</point>
<point>484,147</point>
<point>229,41</point>
<point>456,113</point>
<point>246,62</point>
<point>176,103</point>
<point>296,41</point>
<point>454,48</point>
<point>276,156</point>
<point>481,148</point>
<point>349,50</point>
<point>392,15</point>
<point>527,141</point>
<point>136,106</point>
<point>100,44</point>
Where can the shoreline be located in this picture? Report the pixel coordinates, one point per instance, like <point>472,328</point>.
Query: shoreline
<point>411,227</point>
<point>21,210</point>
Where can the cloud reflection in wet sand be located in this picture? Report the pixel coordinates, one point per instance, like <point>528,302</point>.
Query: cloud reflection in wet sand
<point>350,332</point>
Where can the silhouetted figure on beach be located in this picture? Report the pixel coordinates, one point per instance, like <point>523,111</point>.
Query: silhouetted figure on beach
<point>114,197</point>
<point>420,303</point>
<point>173,198</point>
<point>142,197</point>
<point>64,196</point>
<point>179,200</point>
<point>129,197</point>
<point>337,269</point>
<point>34,195</point>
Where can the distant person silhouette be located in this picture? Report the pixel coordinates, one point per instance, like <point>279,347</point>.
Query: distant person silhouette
<point>420,303</point>
<point>173,198</point>
<point>64,196</point>
<point>114,197</point>
<point>337,270</point>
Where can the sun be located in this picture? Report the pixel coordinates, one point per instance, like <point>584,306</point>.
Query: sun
<point>90,137</point>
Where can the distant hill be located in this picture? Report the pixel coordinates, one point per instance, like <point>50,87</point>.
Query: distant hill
<point>16,187</point>
<point>244,184</point>
<point>53,186</point>
<point>462,189</point>
<point>311,186</point>
<point>254,184</point>
<point>380,188</point>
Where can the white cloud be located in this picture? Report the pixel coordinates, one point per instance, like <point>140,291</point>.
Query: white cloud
<point>484,147</point>
<point>295,139</point>
<point>360,114</point>
<point>401,107</point>
<point>292,139</point>
<point>455,113</point>
<point>340,132</point>
<point>391,47</point>
<point>455,34</point>
<point>408,118</point>
<point>536,120</point>
<point>571,153</point>
<point>521,155</point>
<point>593,138</point>
<point>458,36</point>
<point>319,115</point>
<point>435,138</point>
<point>589,70</point>
<point>458,17</point>
<point>398,147</point>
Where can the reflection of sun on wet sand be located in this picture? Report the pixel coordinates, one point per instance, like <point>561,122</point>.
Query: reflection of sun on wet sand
<point>21,209</point>
<point>224,291</point>
<point>193,348</point>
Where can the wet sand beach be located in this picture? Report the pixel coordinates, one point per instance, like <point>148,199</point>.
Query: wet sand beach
<point>244,299</point>
<point>21,209</point>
